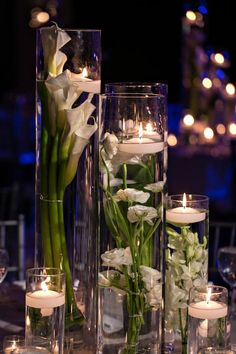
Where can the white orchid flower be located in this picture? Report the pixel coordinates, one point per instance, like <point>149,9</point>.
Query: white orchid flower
<point>53,39</point>
<point>154,296</point>
<point>117,257</point>
<point>150,276</point>
<point>195,267</point>
<point>155,187</point>
<point>190,238</point>
<point>138,212</point>
<point>131,195</point>
<point>110,144</point>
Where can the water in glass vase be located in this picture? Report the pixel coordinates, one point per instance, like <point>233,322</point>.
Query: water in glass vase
<point>130,306</point>
<point>132,161</point>
<point>45,325</point>
<point>186,258</point>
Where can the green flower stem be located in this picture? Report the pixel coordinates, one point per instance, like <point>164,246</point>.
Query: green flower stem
<point>53,204</point>
<point>183,330</point>
<point>45,227</point>
<point>71,306</point>
<point>44,148</point>
<point>124,176</point>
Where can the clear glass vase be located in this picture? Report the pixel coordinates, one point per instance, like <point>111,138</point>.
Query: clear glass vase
<point>132,184</point>
<point>187,228</point>
<point>68,84</point>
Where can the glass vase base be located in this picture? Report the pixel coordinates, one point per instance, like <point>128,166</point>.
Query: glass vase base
<point>144,348</point>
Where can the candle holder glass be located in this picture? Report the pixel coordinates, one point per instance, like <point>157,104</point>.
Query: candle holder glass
<point>68,69</point>
<point>12,342</point>
<point>45,309</point>
<point>207,319</point>
<point>132,151</point>
<point>187,229</point>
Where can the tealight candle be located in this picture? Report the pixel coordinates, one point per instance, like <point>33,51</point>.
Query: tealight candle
<point>207,318</point>
<point>141,145</point>
<point>210,310</point>
<point>45,299</point>
<point>12,342</point>
<point>184,214</point>
<point>85,84</point>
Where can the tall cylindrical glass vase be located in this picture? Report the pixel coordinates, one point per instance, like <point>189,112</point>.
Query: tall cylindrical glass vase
<point>132,183</point>
<point>187,228</point>
<point>68,84</point>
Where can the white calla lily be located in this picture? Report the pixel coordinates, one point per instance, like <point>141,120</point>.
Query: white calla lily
<point>53,39</point>
<point>131,195</point>
<point>82,136</point>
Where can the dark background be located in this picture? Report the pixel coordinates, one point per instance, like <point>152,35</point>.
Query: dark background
<point>141,41</point>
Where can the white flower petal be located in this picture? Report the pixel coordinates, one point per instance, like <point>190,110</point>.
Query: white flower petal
<point>78,116</point>
<point>117,257</point>
<point>138,212</point>
<point>155,187</point>
<point>110,143</point>
<point>132,195</point>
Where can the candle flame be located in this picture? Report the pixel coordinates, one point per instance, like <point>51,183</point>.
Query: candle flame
<point>44,286</point>
<point>184,200</point>
<point>149,128</point>
<point>27,321</point>
<point>140,132</point>
<point>84,72</point>
<point>208,296</point>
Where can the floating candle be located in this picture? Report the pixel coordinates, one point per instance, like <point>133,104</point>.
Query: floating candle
<point>184,214</point>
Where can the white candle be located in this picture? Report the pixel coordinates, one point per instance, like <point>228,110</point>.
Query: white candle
<point>45,299</point>
<point>10,349</point>
<point>85,84</point>
<point>184,214</point>
<point>140,146</point>
<point>209,310</point>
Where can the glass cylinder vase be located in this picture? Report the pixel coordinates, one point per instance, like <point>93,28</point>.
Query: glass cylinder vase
<point>132,183</point>
<point>207,319</point>
<point>68,84</point>
<point>187,228</point>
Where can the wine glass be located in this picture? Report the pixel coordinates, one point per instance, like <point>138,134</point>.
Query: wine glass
<point>4,262</point>
<point>226,264</point>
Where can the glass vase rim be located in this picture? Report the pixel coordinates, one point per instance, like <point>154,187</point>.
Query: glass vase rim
<point>210,286</point>
<point>194,197</point>
<point>30,271</point>
<point>132,95</point>
<point>72,29</point>
<point>136,83</point>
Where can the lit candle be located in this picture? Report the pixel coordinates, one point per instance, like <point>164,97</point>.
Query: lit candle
<point>84,83</point>
<point>11,349</point>
<point>208,309</point>
<point>184,214</point>
<point>45,299</point>
<point>141,145</point>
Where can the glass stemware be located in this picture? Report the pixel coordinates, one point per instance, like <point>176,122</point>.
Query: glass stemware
<point>226,264</point>
<point>4,261</point>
